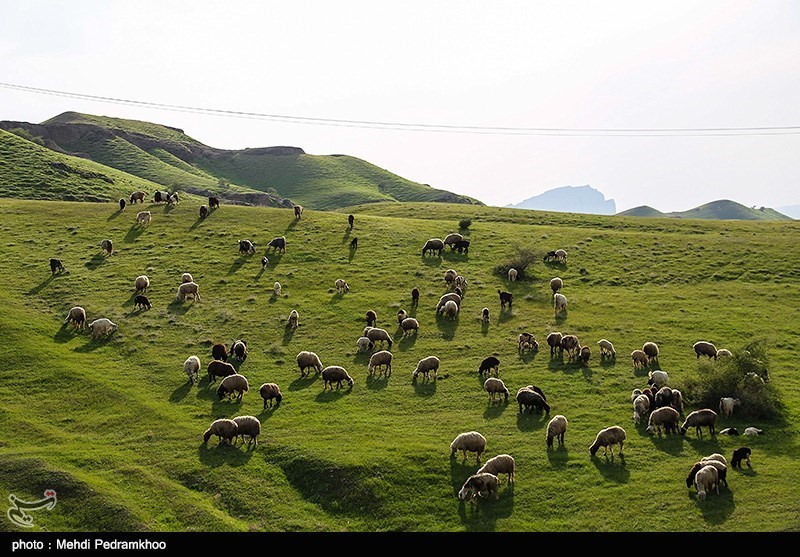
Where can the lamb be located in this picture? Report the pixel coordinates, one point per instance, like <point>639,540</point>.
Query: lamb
<point>342,286</point>
<point>277,244</point>
<point>742,453</point>
<point>505,298</point>
<point>703,348</point>
<point>723,353</point>
<point>726,406</point>
<point>664,397</point>
<point>677,400</point>
<point>641,407</point>
<point>224,429</point>
<point>433,245</point>
<point>298,211</point>
<point>102,326</point>
<point>462,246</point>
<point>488,364</point>
<point>452,239</point>
<point>276,289</point>
<point>425,366</point>
<point>141,302</point>
<point>379,335</point>
<point>235,384</point>
<point>484,484</point>
<point>460,282</point>
<point>651,350</point>
<point>485,315</point>
<point>213,202</point>
<point>584,355</point>
<point>450,276</point>
<point>556,284</point>
<point>306,360</point>
<point>530,399</point>
<point>143,217</point>
<point>335,374</point>
<point>729,431</point>
<point>414,296</point>
<point>698,419</point>
<point>706,479</point>
<point>56,265</point>
<point>554,341</point>
<point>173,199</point>
<point>293,319</point>
<point>549,256</point>
<point>500,464</point>
<point>108,246</point>
<point>137,196</point>
<point>452,296</point>
<point>247,247</point>
<point>608,437</point>
<point>270,392</point>
<point>219,352</point>
<point>142,283</point>
<point>512,274</point>
<point>351,220</point>
<point>239,350</point>
<point>526,340</point>
<point>450,309</point>
<point>606,348</point>
<point>753,431</point>
<point>409,325</point>
<point>635,393</point>
<point>559,302</point>
<point>657,378</point>
<point>364,344</point>
<point>216,368</point>
<point>665,416</point>
<point>187,277</point>
<point>264,263</point>
<point>571,345</point>
<point>248,426</point>
<point>556,428</point>
<point>639,359</point>
<point>470,441</point>
<point>495,386</point>
<point>192,368</point>
<point>203,211</point>
<point>381,359</point>
<point>76,316</point>
<point>188,289</point>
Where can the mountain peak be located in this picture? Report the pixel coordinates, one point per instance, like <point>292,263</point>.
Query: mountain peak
<point>570,199</point>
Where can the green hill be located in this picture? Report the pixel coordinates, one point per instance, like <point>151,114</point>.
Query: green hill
<point>723,209</point>
<point>115,429</point>
<point>168,156</point>
<point>642,211</point>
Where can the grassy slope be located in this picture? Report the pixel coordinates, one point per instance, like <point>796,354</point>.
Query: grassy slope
<point>722,209</point>
<point>642,211</point>
<point>134,126</point>
<point>116,417</point>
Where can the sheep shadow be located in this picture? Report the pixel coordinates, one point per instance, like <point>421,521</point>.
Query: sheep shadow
<point>169,207</point>
<point>274,257</point>
<point>506,314</point>
<point>377,383</point>
<point>92,345</point>
<point>483,514</point>
<point>555,265</point>
<point>451,255</point>
<point>96,261</point>
<point>288,333</point>
<point>557,455</point>
<point>527,356</point>
<point>198,222</point>
<point>65,333</point>
<point>114,215</point>
<point>561,317</point>
<point>460,470</point>
<point>447,326</point>
<point>266,413</point>
<point>607,362</point>
<point>495,409</point>
<point>346,236</point>
<point>332,396</point>
<point>612,467</point>
<point>351,254</point>
<point>179,307</point>
<point>424,387</point>
<point>640,372</point>
<point>303,382</point>
<point>531,422</point>
<point>41,286</point>
<point>292,224</point>
<point>407,342</point>
<point>257,276</point>
<point>716,509</point>
<point>237,264</point>
<point>362,358</point>
<point>671,444</point>
<point>558,364</point>
<point>484,328</point>
<point>215,455</point>
<point>133,233</point>
<point>432,260</point>
<point>129,302</point>
<point>705,445</point>
<point>180,393</point>
<point>337,297</point>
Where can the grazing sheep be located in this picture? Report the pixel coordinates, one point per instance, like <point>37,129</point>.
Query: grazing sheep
<point>703,348</point>
<point>556,428</point>
<point>639,359</point>
<point>102,326</point>
<point>450,309</point>
<point>556,284</point>
<point>433,245</point>
<point>717,461</point>
<point>366,330</point>
<point>107,246</point>
<point>495,386</point>
<point>364,344</point>
<point>651,396</point>
<point>137,196</point>
<point>294,317</point>
<point>425,366</point>
<point>188,289</point>
<point>414,296</point>
<point>753,431</point>
<point>161,197</point>
<point>584,355</point>
<point>450,276</point>
<point>452,296</point>
<point>247,247</point>
<point>559,303</point>
<point>727,404</point>
<point>512,274</point>
<point>483,485</point>
<point>56,265</point>
<point>143,217</point>
<point>561,255</point>
<point>635,393</point>
<point>529,399</point>
<point>225,429</point>
<point>379,335</point>
<point>239,350</point>
<point>458,291</point>
<point>677,400</point>
<point>461,282</point>
<point>554,342</point>
<point>264,263</point>
<point>76,316</point>
<point>298,211</point>
<point>276,289</point>
<point>342,286</point>
<point>706,479</point>
<point>663,397</point>
<point>306,360</point>
<point>402,314</point>
<point>549,256</point>
<point>641,408</point>
<point>452,239</point>
<point>526,340</point>
<point>217,368</point>
<point>698,419</point>
<point>462,246</point>
<point>219,352</point>
<point>505,298</point>
<point>409,325</point>
<point>470,441</point>
<point>122,204</point>
<point>665,416</point>
<point>571,345</point>
<point>729,431</point>
<point>651,350</point>
<point>235,384</point>
<point>657,378</point>
<point>608,437</point>
<point>187,277</point>
<point>277,244</point>
<point>722,471</point>
<point>192,368</point>
<point>141,302</point>
<point>248,426</point>
<point>213,202</point>
<point>742,453</point>
<point>724,353</point>
<point>488,364</point>
<point>270,392</point>
<point>382,359</point>
<point>335,374</point>
<point>485,315</point>
<point>351,220</point>
<point>500,464</point>
<point>142,283</point>
<point>606,348</point>
<point>173,199</point>
<point>203,211</point>
<point>354,243</point>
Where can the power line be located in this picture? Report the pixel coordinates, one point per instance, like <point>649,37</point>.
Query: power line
<point>420,127</point>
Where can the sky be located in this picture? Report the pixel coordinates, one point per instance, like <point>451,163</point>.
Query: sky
<point>560,64</point>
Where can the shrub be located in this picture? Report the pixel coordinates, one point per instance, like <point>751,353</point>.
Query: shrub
<point>734,377</point>
<point>463,224</point>
<point>520,261</point>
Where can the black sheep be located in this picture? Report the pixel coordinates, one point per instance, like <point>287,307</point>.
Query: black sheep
<point>505,298</point>
<point>213,202</point>
<point>219,352</point>
<point>203,211</point>
<point>742,453</point>
<point>56,265</point>
<point>141,302</point>
<point>488,364</point>
<point>415,296</point>
<point>351,219</point>
<point>122,204</point>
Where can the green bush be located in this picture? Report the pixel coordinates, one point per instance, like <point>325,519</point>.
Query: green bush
<point>463,224</point>
<point>520,261</point>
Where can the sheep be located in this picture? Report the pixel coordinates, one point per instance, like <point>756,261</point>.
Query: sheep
<point>239,350</point>
<point>718,462</point>
<point>298,211</point>
<point>470,441</point>
<point>703,348</point>
<point>367,329</point>
<point>107,246</point>
<point>381,359</point>
<point>729,431</point>
<point>651,350</point>
<point>142,283</point>
<point>495,386</point>
<point>56,265</point>
<point>641,407</point>
<point>173,199</point>
<point>122,203</point>
<point>753,431</point>
<point>584,355</point>
<point>293,319</point>
<point>270,391</point>
<point>225,429</point>
<point>213,202</point>
<point>409,325</point>
<point>217,368</point>
<point>219,352</point>
<point>639,359</point>
<point>512,274</point>
<point>460,282</point>
<point>559,303</point>
<point>450,309</point>
<point>414,296</point>
<point>354,243</point>
<point>187,277</point>
<point>665,416</point>
<point>452,296</point>
<point>530,399</point>
<point>608,437</point>
<point>161,197</point>
<point>664,397</point>
<point>635,393</point>
<point>306,360</point>
<point>248,426</point>
<point>571,345</point>
<point>76,316</point>
<point>433,245</point>
<point>526,340</point>
<point>549,256</point>
<point>402,314</point>
<point>451,239</point>
<point>723,353</point>
<point>706,479</point>
<point>276,289</point>
<point>561,255</point>
<point>341,285</point>
<point>484,484</point>
<point>606,348</point>
<point>556,428</point>
<point>485,315</point>
<point>698,419</point>
<point>137,196</point>
<point>364,344</point>
<point>203,212</point>
<point>143,218</point>
<point>722,471</point>
<point>264,263</point>
<point>459,291</point>
<point>536,389</point>
<point>186,289</point>
<point>246,247</point>
<point>335,374</point>
<point>506,298</point>
<point>742,453</point>
<point>450,276</point>
<point>657,378</point>
<point>554,342</point>
<point>500,464</point>
<point>379,335</point>
<point>102,326</point>
<point>651,396</point>
<point>488,364</point>
<point>235,384</point>
<point>556,284</point>
<point>141,302</point>
<point>677,400</point>
<point>192,368</point>
<point>277,244</point>
<point>726,406</point>
<point>425,366</point>
<point>462,246</point>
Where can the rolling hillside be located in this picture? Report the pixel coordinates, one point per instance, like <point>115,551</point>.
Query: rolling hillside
<point>723,209</point>
<point>114,427</point>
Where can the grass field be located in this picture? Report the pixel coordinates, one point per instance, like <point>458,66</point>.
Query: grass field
<point>113,426</point>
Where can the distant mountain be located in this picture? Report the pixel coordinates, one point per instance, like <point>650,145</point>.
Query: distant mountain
<point>723,209</point>
<point>790,210</point>
<point>570,199</point>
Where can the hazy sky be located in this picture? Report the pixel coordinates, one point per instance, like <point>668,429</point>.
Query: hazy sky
<point>591,64</point>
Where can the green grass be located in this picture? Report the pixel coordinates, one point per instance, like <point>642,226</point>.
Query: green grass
<point>115,429</point>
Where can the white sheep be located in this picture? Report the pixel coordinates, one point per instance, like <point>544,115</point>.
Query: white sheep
<point>187,277</point>
<point>142,283</point>
<point>639,359</point>
<point>293,319</point>
<point>102,326</point>
<point>495,386</point>
<point>485,315</point>
<point>192,368</point>
<point>706,479</point>
<point>724,353</point>
<point>461,282</point>
<point>305,360</point>
<point>342,286</point>
<point>235,384</point>
<point>556,284</point>
<point>657,378</point>
<point>188,289</point>
<point>76,316</point>
<point>641,406</point>
<point>559,302</point>
<point>512,274</point>
<point>335,374</point>
<point>224,429</point>
<point>409,325</point>
<point>143,217</point>
<point>248,426</point>
<point>425,366</point>
<point>364,344</point>
<point>500,464</point>
<point>450,309</point>
<point>470,441</point>
<point>381,359</point>
<point>556,428</point>
<point>753,431</point>
<point>606,348</point>
<point>376,334</point>
<point>402,314</point>
<point>635,393</point>
<point>483,484</point>
<point>608,437</point>
<point>561,255</point>
<point>277,288</point>
<point>726,406</point>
